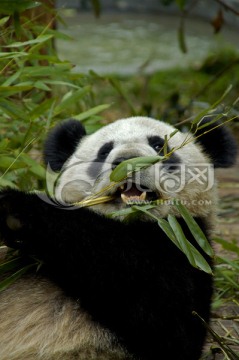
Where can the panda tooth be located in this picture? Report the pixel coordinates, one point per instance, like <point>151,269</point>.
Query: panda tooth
<point>127,199</point>
<point>124,198</point>
<point>121,187</point>
<point>142,197</point>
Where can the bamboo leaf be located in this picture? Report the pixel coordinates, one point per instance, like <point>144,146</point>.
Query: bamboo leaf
<point>200,261</point>
<point>15,6</point>
<point>40,39</point>
<point>195,229</point>
<point>12,55</point>
<point>11,90</point>
<point>12,110</point>
<point>3,144</point>
<point>4,20</point>
<point>193,255</point>
<point>70,99</point>
<point>233,264</point>
<point>10,162</point>
<point>42,109</point>
<point>117,86</point>
<point>7,183</point>
<point>10,265</point>
<point>93,111</point>
<point>183,242</point>
<point>228,245</point>
<point>11,279</point>
<point>49,71</point>
<point>33,166</point>
<point>165,226</point>
<point>128,166</point>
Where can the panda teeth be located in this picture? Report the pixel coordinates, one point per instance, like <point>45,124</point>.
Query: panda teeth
<point>133,199</point>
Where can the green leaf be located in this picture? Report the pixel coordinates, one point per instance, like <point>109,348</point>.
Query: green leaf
<point>165,226</point>
<point>11,90</point>
<point>41,85</point>
<point>33,166</point>
<point>13,6</point>
<point>193,255</point>
<point>11,279</point>
<point>40,39</point>
<point>127,167</point>
<point>93,111</point>
<point>9,162</point>
<point>42,109</point>
<point>201,263</point>
<point>123,212</point>
<point>183,242</point>
<point>40,71</point>
<point>4,20</point>
<point>228,245</point>
<point>10,265</point>
<point>12,55</point>
<point>3,144</point>
<point>70,99</point>
<point>12,110</point>
<point>62,83</point>
<point>233,264</point>
<point>195,229</point>
<point>11,79</point>
<point>38,171</point>
<point>117,86</point>
<point>7,183</point>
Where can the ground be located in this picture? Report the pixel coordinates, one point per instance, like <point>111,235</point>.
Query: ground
<point>225,318</point>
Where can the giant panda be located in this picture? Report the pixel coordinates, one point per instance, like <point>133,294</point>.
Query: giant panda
<point>108,288</point>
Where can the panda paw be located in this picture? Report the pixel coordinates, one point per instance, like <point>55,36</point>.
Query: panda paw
<point>13,217</point>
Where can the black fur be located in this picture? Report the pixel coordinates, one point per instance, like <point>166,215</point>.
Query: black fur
<point>61,143</point>
<point>218,143</point>
<point>96,165</point>
<point>129,277</point>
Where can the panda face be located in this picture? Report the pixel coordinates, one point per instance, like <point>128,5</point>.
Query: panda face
<point>86,174</point>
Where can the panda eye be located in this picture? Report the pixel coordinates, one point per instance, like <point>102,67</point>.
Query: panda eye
<point>105,150</point>
<point>156,143</point>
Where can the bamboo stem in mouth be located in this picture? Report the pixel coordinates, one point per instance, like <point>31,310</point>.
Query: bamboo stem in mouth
<point>96,201</point>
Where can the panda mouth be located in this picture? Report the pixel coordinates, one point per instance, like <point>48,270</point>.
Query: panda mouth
<point>131,193</point>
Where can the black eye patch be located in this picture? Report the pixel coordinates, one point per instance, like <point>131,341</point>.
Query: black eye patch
<point>104,151</point>
<point>156,142</point>
<point>96,166</point>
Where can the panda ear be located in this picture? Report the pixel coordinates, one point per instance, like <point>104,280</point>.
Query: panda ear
<point>61,143</point>
<point>218,142</point>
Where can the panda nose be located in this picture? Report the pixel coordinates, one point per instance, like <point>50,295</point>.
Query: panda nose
<point>119,160</point>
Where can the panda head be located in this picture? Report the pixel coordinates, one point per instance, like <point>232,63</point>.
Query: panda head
<point>86,162</point>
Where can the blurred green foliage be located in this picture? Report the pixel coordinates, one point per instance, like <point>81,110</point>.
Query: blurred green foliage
<point>37,89</point>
